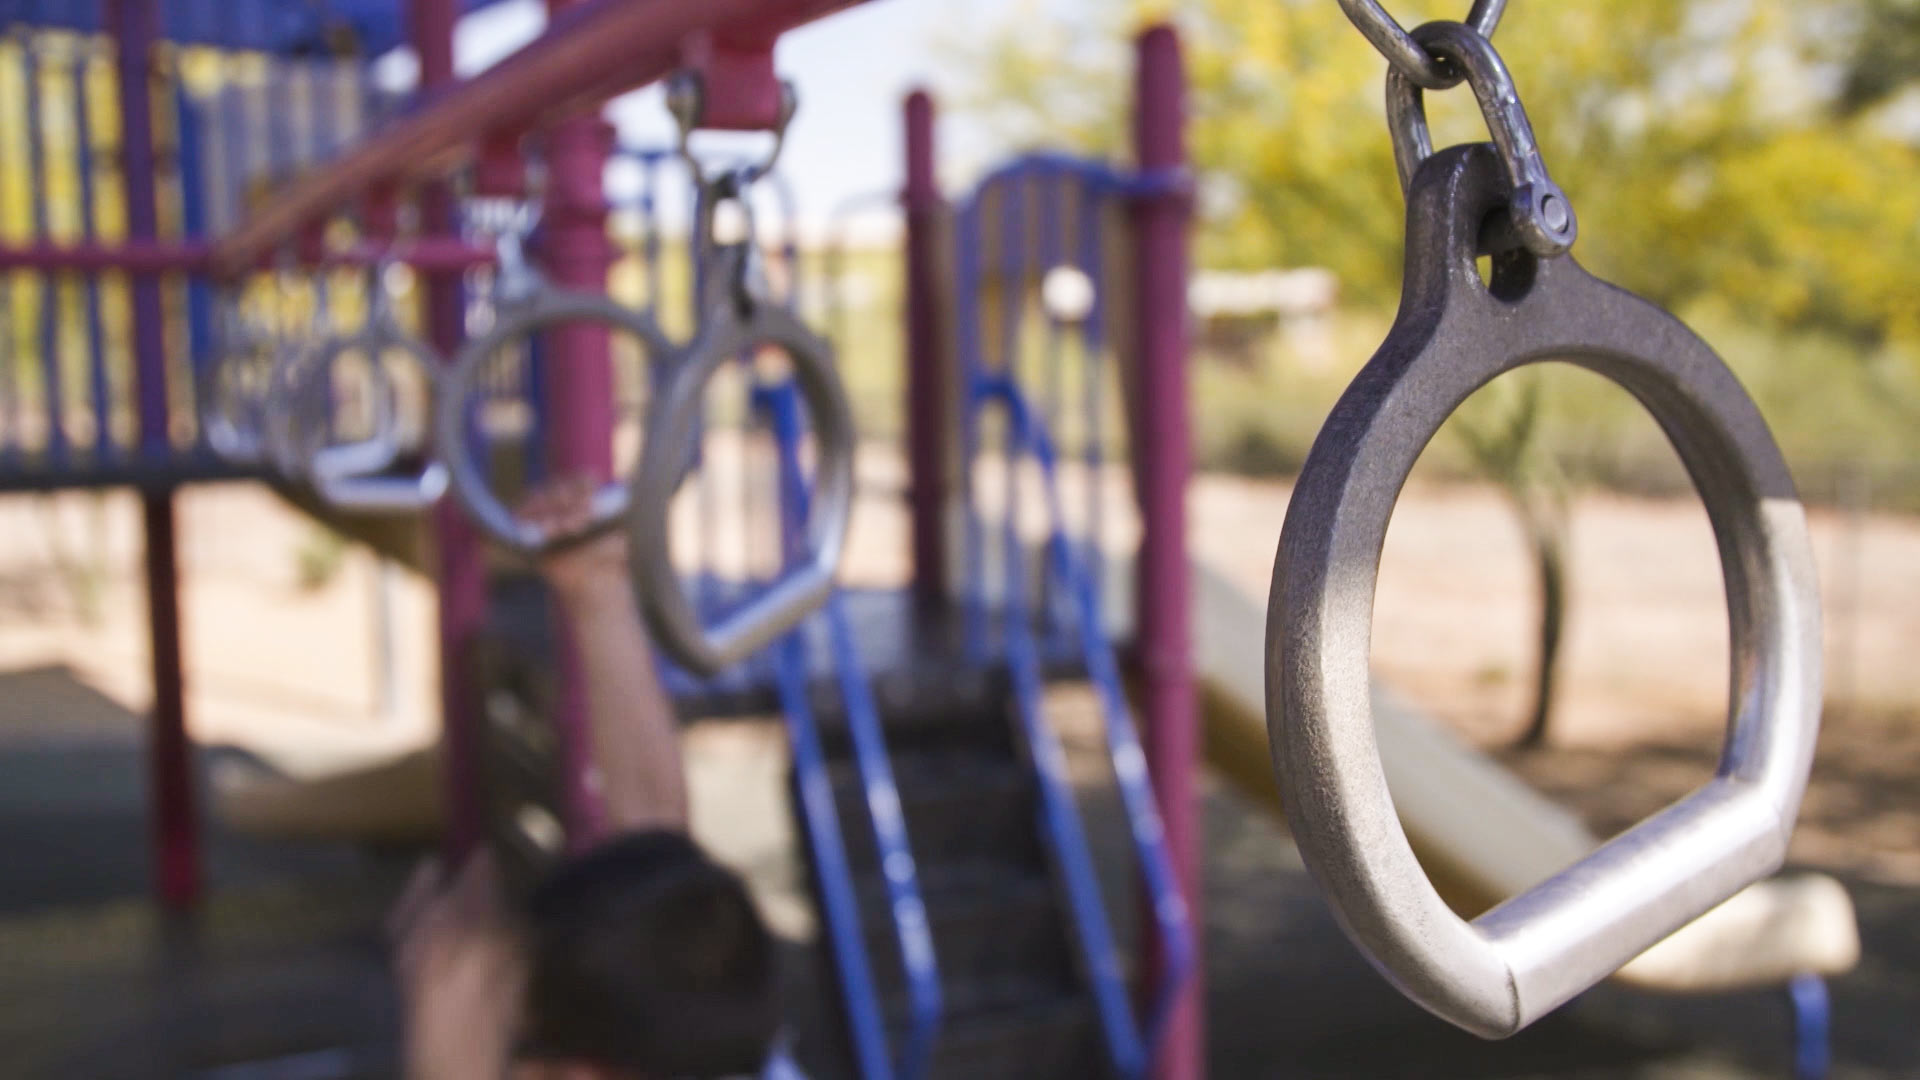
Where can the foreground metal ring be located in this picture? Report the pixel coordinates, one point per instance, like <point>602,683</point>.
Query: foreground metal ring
<point>1408,56</point>
<point>546,308</point>
<point>1513,964</point>
<point>665,462</point>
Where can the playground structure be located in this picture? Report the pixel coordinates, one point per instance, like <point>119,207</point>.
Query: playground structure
<point>966,930</point>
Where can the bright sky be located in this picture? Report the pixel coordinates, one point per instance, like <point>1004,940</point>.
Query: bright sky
<point>851,69</point>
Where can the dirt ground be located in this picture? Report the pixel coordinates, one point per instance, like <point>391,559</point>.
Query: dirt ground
<point>299,675</point>
<point>1642,699</point>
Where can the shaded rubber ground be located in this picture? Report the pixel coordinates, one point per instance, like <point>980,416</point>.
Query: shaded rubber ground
<point>287,962</point>
<point>1289,997</point>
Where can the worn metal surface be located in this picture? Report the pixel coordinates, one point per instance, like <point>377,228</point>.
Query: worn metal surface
<point>739,324</point>
<point>1454,333</point>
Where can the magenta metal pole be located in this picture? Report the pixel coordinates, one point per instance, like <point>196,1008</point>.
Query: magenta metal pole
<point>461,570</point>
<point>1163,465</point>
<point>175,822</point>
<point>927,356</point>
<point>578,395</point>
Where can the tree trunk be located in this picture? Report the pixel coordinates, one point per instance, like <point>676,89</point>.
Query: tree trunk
<point>1544,518</point>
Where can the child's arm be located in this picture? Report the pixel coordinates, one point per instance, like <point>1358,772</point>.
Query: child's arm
<point>636,744</point>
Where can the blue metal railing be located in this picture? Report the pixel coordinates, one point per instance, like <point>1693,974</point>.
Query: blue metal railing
<point>1068,600</point>
<point>866,1013</point>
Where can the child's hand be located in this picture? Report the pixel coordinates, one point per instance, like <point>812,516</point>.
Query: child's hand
<point>461,973</point>
<point>594,567</point>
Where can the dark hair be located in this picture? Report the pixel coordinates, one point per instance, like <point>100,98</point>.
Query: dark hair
<point>647,956</point>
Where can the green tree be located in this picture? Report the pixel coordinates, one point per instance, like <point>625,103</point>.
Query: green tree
<point>1883,58</point>
<point>1704,145</point>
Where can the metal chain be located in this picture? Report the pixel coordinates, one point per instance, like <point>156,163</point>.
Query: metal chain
<point>1541,217</point>
<point>1407,56</point>
<point>738,258</point>
<point>686,101</point>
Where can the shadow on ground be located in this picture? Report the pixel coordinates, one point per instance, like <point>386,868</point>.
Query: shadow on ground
<point>287,960</point>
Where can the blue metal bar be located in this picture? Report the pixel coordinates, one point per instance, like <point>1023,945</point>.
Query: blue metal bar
<point>1059,822</point>
<point>1046,190</point>
<point>1812,1026</point>
<point>195,147</point>
<point>283,154</point>
<point>235,155</point>
<point>102,393</point>
<point>840,905</point>
<point>1155,863</point>
<point>1093,339</point>
<point>1106,179</point>
<point>323,99</point>
<point>1073,579</point>
<point>972,365</point>
<point>1012,262</point>
<point>1054,357</point>
<point>782,404</point>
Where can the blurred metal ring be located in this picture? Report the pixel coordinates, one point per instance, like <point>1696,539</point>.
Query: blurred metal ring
<point>665,461</point>
<point>544,308</point>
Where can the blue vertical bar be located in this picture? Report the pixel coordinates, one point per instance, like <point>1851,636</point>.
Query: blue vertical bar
<point>839,901</point>
<point>194,201</point>
<point>323,93</point>
<point>1050,183</point>
<point>1093,338</point>
<point>282,151</point>
<point>1812,1027</point>
<point>1013,283</point>
<point>782,404</point>
<point>1046,191</point>
<point>1058,817</point>
<point>236,151</point>
<point>102,393</point>
<point>49,290</point>
<point>966,317</point>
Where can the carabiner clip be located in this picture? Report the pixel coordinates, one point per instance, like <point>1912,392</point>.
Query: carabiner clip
<point>686,101</point>
<point>1542,217</point>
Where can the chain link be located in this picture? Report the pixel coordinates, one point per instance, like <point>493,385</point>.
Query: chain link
<point>1407,56</point>
<point>1540,216</point>
<point>686,100</point>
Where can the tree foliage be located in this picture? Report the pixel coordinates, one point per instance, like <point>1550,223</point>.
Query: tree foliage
<point>1743,153</point>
